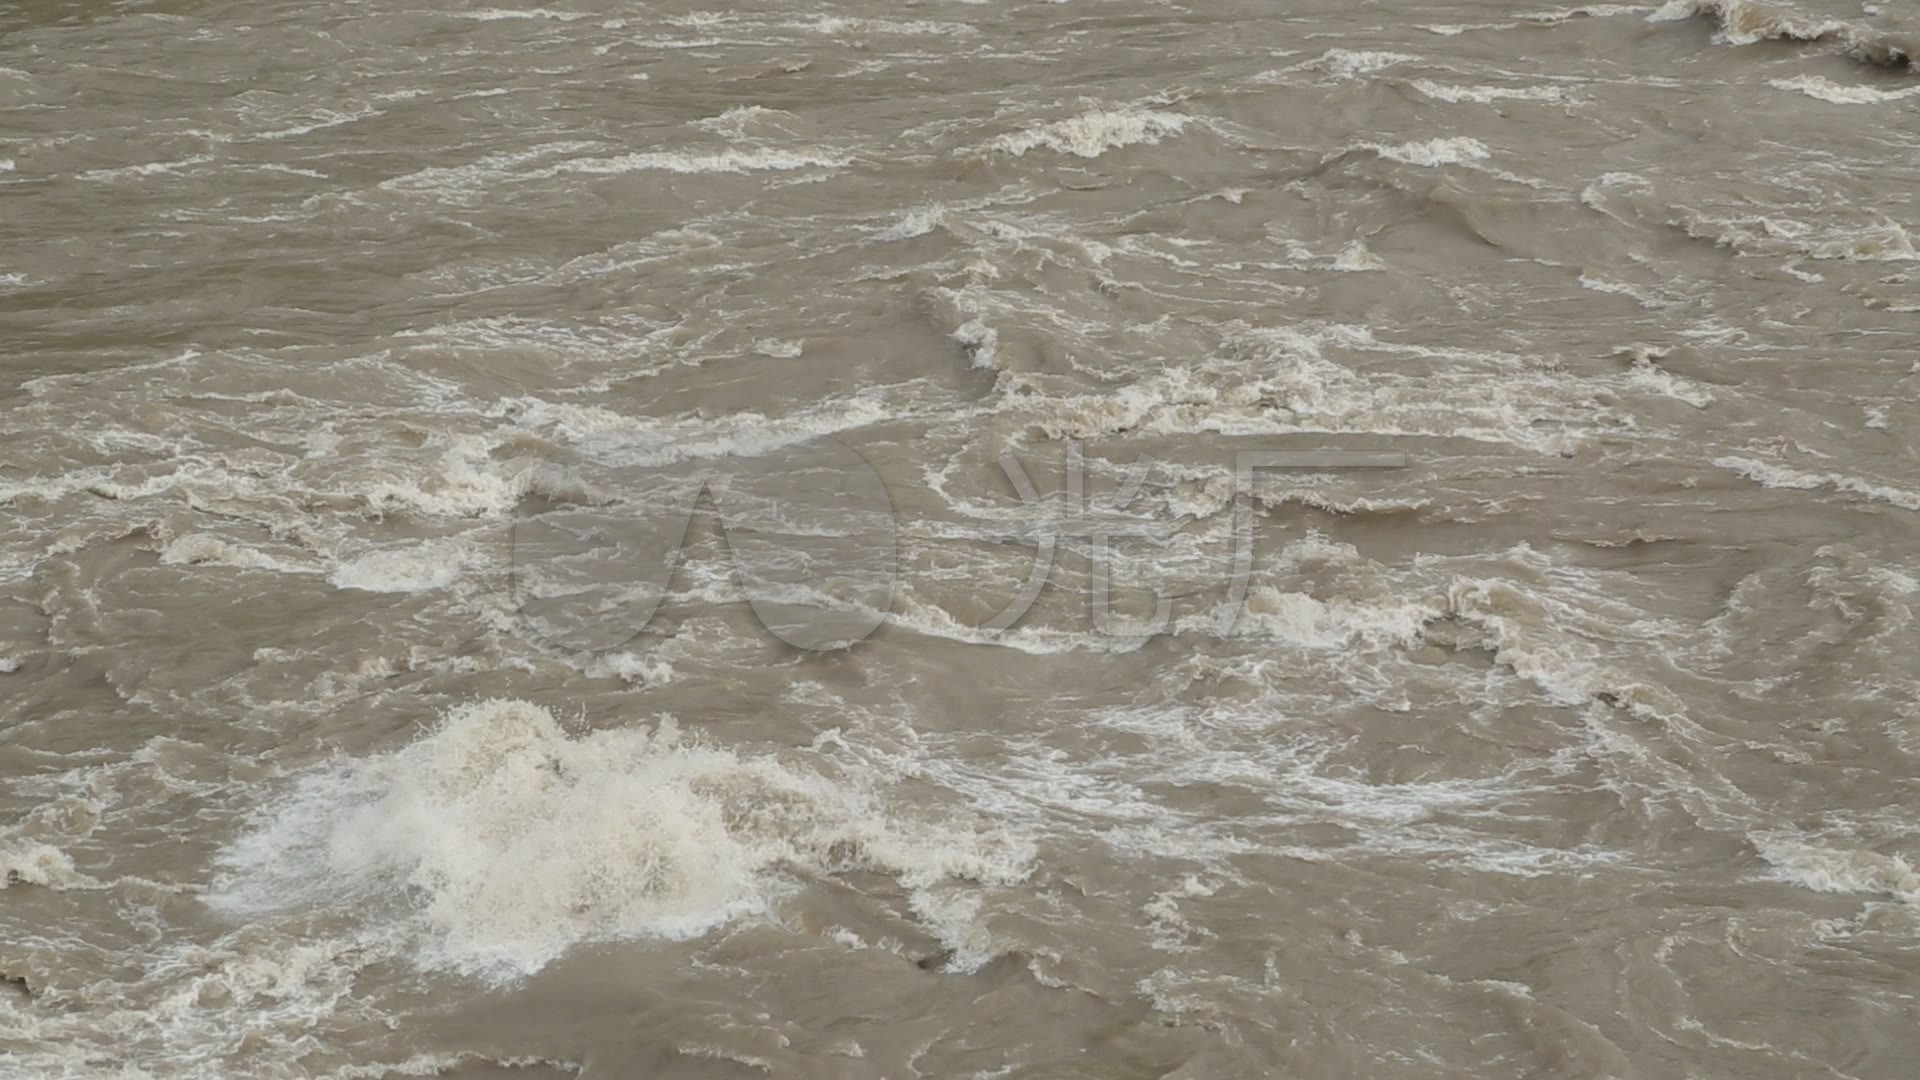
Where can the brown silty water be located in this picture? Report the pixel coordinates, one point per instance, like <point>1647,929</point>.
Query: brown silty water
<point>361,364</point>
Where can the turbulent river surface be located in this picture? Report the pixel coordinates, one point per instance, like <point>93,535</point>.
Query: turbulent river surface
<point>360,361</point>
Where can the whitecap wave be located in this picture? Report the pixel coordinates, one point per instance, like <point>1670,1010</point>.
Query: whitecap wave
<point>1747,22</point>
<point>513,840</point>
<point>1093,133</point>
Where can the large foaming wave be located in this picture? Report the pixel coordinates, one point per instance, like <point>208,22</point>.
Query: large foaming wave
<point>1744,22</point>
<point>498,840</point>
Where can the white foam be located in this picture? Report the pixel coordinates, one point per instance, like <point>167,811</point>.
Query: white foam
<point>1826,869</point>
<point>843,24</point>
<point>1456,29</point>
<point>500,14</point>
<point>1306,621</point>
<point>1093,133</point>
<point>730,160</point>
<point>1616,288</point>
<point>1815,86</point>
<point>735,122</point>
<point>326,119</point>
<point>1282,380</point>
<point>201,548</point>
<point>931,620</point>
<point>151,168</point>
<point>1596,11</point>
<point>1881,240</point>
<point>1676,11</point>
<point>246,1004</point>
<point>640,440</point>
<point>1745,22</point>
<point>1454,150</point>
<point>1171,928</point>
<point>1487,95</point>
<point>1885,241</point>
<point>32,863</point>
<point>1356,258</point>
<point>1348,63</point>
<point>1553,636</point>
<point>476,176</point>
<point>449,1064</point>
<point>404,569</point>
<point>629,667</point>
<point>1781,476</point>
<point>512,840</point>
<point>1645,375</point>
<point>919,221</point>
<point>777,348</point>
<point>465,483</point>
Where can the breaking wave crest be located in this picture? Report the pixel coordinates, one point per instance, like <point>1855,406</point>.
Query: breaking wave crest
<point>1744,22</point>
<point>498,840</point>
